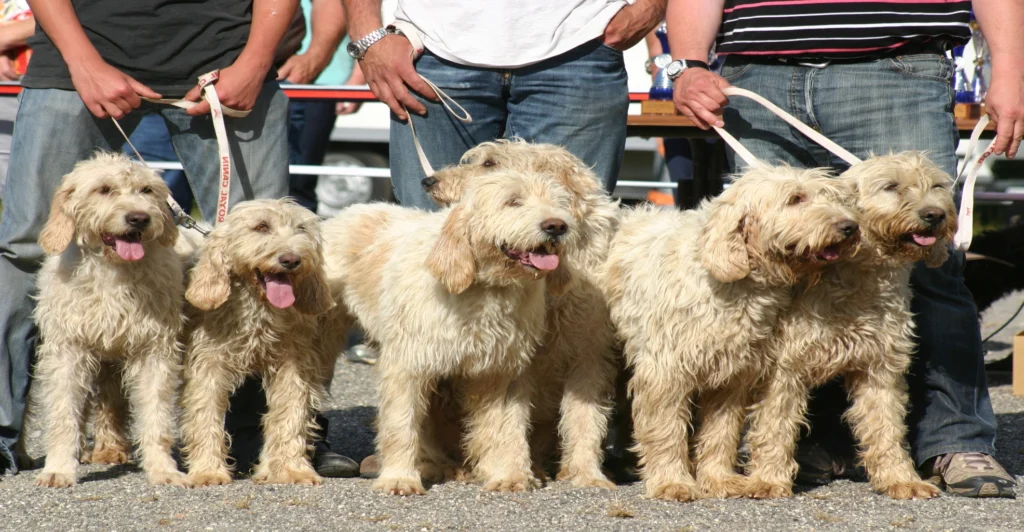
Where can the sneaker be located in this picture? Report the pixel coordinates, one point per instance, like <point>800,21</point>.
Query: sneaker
<point>818,466</point>
<point>362,354</point>
<point>970,475</point>
<point>331,464</point>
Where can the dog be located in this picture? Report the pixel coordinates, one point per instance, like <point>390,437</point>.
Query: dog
<point>574,371</point>
<point>694,294</point>
<point>456,295</point>
<point>856,322</point>
<point>110,311</point>
<point>257,288</point>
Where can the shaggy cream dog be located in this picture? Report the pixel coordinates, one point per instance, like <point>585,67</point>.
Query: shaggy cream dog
<point>856,322</point>
<point>258,287</point>
<point>574,371</point>
<point>693,295</point>
<point>109,311</point>
<point>458,295</point>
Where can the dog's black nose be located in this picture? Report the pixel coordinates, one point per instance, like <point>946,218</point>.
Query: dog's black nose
<point>932,215</point>
<point>428,182</point>
<point>554,227</point>
<point>847,227</point>
<point>290,261</point>
<point>138,220</point>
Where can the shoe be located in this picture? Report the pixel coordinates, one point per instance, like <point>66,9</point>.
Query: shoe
<point>970,475</point>
<point>331,464</point>
<point>362,354</point>
<point>818,466</point>
<point>370,468</point>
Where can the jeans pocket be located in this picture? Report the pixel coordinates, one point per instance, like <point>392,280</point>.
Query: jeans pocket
<point>732,71</point>
<point>616,51</point>
<point>922,66</point>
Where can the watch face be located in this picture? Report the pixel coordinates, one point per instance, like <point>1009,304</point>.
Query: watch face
<point>674,68</point>
<point>353,50</point>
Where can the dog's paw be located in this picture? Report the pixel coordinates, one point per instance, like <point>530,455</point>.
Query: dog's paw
<point>675,491</point>
<point>586,480</point>
<point>288,475</point>
<point>53,479</point>
<point>515,483</point>
<point>724,487</point>
<point>169,478</point>
<point>911,490</point>
<point>760,489</point>
<point>210,478</point>
<point>399,486</point>
<point>107,454</point>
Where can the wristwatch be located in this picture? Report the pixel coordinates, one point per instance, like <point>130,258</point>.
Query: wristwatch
<point>677,67</point>
<point>357,49</point>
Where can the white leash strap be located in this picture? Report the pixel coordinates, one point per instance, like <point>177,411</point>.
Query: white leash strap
<point>965,219</point>
<point>450,105</point>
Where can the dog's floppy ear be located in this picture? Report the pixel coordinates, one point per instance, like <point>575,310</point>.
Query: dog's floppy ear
<point>210,281</point>
<point>559,281</point>
<point>59,228</point>
<point>937,255</point>
<point>723,249</point>
<point>451,261</point>
<point>312,295</point>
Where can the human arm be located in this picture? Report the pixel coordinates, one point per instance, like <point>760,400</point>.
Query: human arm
<point>1001,22</point>
<point>633,22</point>
<point>692,27</point>
<point>239,84</point>
<point>15,34</point>
<point>105,90</point>
<point>328,27</point>
<point>347,108</point>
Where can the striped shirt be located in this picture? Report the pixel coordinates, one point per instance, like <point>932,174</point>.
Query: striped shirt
<point>838,28</point>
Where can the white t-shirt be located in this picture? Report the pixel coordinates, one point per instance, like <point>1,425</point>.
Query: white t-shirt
<point>505,33</point>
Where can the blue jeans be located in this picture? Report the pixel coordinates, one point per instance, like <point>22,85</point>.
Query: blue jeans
<point>310,123</point>
<point>892,104</point>
<point>578,100</point>
<point>53,131</point>
<point>153,141</point>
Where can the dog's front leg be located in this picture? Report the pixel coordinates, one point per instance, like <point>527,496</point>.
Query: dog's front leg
<point>204,400</point>
<point>498,437</point>
<point>877,413</point>
<point>66,373</point>
<point>774,429</point>
<point>722,414</point>
<point>153,378</point>
<point>584,422</point>
<point>110,444</point>
<point>404,399</point>
<point>290,392</point>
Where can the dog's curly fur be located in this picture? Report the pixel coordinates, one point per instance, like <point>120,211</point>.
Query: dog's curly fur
<point>238,331</point>
<point>441,295</point>
<point>856,322</point>
<point>110,307</point>
<point>575,368</point>
<point>694,294</point>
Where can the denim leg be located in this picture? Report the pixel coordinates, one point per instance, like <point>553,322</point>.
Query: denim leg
<point>578,100</point>
<point>444,139</point>
<point>53,131</point>
<point>153,141</point>
<point>308,145</point>
<point>259,150</point>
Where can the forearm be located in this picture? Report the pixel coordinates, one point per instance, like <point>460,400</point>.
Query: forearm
<point>328,27</point>
<point>1002,23</point>
<point>16,34</point>
<point>692,27</point>
<point>363,17</point>
<point>60,22</point>
<point>270,20</point>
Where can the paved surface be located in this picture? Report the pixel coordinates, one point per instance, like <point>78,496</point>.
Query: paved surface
<point>118,498</point>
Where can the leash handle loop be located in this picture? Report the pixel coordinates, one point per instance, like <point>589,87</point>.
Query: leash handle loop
<point>450,105</point>
<point>965,218</point>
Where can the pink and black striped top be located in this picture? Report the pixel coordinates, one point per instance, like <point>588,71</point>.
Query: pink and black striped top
<point>838,28</point>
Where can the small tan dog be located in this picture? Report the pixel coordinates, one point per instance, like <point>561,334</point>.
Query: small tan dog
<point>456,295</point>
<point>574,371</point>
<point>110,306</point>
<point>856,322</point>
<point>694,294</point>
<point>258,287</point>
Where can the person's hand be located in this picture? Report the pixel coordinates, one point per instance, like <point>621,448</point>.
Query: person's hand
<point>346,108</point>
<point>105,90</point>
<point>300,69</point>
<point>698,94</point>
<point>630,25</point>
<point>390,74</point>
<point>237,87</point>
<point>7,70</point>
<point>1004,103</point>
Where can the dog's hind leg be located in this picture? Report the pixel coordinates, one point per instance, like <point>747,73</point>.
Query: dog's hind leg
<point>722,414</point>
<point>404,399</point>
<point>110,442</point>
<point>774,429</point>
<point>584,421</point>
<point>879,407</point>
<point>66,373</point>
<point>497,441</point>
<point>290,395</point>
<point>152,379</point>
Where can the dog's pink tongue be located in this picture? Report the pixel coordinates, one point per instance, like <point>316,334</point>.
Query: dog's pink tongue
<point>923,240</point>
<point>129,249</point>
<point>279,290</point>
<point>544,261</point>
<point>830,253</point>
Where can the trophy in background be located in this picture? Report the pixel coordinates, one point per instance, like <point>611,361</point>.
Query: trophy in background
<point>982,57</point>
<point>964,89</point>
<point>661,88</point>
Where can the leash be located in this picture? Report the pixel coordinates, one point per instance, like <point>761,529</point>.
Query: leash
<point>965,219</point>
<point>217,112</point>
<point>448,103</point>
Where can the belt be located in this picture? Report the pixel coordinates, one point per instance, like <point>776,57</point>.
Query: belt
<point>936,47</point>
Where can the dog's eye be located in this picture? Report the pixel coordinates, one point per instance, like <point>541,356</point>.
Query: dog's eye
<point>891,187</point>
<point>939,187</point>
<point>262,227</point>
<point>300,228</point>
<point>104,190</point>
<point>514,202</point>
<point>796,199</point>
<point>147,190</point>
<point>489,163</point>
